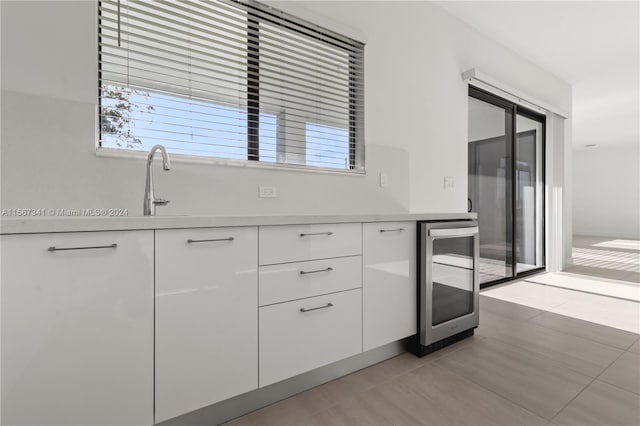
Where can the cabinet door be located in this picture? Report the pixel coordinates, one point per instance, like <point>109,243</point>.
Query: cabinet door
<point>77,329</point>
<point>388,282</point>
<point>206,317</point>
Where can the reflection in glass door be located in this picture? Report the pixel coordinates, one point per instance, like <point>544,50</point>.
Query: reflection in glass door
<point>506,186</point>
<point>529,194</point>
<point>452,293</point>
<point>490,185</point>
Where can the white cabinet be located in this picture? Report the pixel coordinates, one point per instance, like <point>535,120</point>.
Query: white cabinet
<point>77,328</point>
<point>78,320</point>
<point>388,282</point>
<point>301,335</point>
<point>206,317</point>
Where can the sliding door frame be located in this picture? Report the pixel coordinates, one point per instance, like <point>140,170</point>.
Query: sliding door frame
<point>511,138</point>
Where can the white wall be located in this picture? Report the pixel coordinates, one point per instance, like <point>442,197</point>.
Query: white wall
<point>415,105</point>
<point>607,191</point>
<point>606,178</point>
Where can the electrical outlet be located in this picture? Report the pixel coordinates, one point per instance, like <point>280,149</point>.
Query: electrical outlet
<point>384,180</point>
<point>268,192</point>
<point>449,182</point>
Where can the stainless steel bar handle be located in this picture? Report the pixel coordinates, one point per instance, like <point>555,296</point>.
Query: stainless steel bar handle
<point>316,233</point>
<point>190,241</point>
<point>328,305</point>
<point>53,248</point>
<point>392,230</point>
<point>453,232</point>
<point>314,272</point>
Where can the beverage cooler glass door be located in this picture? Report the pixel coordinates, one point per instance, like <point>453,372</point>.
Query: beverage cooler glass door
<point>451,279</point>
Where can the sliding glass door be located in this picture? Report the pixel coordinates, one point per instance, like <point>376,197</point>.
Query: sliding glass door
<point>506,186</point>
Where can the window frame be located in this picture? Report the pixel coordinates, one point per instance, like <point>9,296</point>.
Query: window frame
<point>355,129</point>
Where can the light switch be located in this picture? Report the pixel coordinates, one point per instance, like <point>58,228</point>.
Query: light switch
<point>384,180</point>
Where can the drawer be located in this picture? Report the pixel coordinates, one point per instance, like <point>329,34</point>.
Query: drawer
<point>290,281</point>
<point>293,243</point>
<point>293,342</point>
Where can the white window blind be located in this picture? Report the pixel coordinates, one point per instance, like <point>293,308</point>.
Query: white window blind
<point>229,79</point>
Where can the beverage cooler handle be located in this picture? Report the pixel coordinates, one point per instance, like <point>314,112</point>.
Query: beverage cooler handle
<point>453,232</point>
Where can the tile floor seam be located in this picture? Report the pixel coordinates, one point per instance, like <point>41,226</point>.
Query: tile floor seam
<point>589,384</point>
<point>631,345</point>
<point>342,401</point>
<point>515,319</point>
<point>568,366</point>
<point>490,390</point>
<point>583,337</point>
<point>535,316</point>
<point>609,366</point>
<point>613,362</point>
<point>616,386</point>
<point>389,379</point>
<point>613,385</point>
<point>546,357</point>
<point>355,393</point>
<point>281,401</point>
<point>587,338</point>
<point>573,399</point>
<point>587,388</point>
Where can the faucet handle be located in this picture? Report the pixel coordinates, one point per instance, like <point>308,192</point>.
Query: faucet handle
<point>160,202</point>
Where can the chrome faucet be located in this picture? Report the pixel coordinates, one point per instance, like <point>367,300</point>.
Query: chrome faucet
<point>150,201</point>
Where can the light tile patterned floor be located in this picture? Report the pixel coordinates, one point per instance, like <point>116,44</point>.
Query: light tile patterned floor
<point>545,353</point>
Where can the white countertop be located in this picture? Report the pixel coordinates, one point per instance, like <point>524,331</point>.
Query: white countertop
<point>32,225</point>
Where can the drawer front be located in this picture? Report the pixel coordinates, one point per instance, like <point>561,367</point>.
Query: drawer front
<point>206,317</point>
<point>294,243</point>
<point>293,342</point>
<point>290,281</point>
<point>389,282</point>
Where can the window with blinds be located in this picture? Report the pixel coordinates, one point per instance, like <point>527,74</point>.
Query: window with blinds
<point>229,79</point>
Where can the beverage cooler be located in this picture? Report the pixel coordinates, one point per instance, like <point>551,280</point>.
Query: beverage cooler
<point>448,284</point>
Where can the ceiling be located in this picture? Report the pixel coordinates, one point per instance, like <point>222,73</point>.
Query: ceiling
<point>592,45</point>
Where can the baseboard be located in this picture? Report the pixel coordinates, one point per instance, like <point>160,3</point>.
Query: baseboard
<point>242,404</point>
